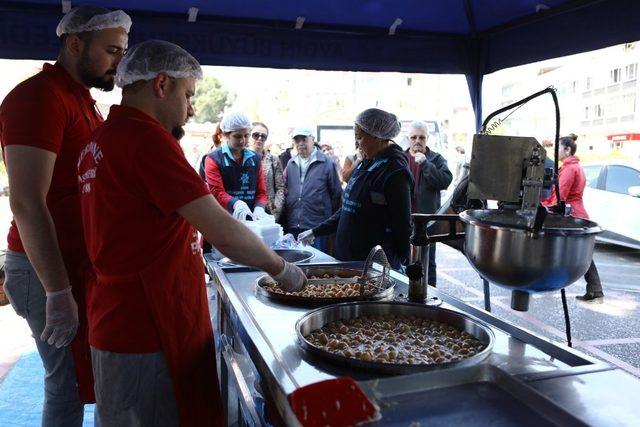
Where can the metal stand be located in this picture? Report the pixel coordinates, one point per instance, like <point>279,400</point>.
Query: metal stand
<point>567,322</point>
<point>421,243</point>
<point>418,274</point>
<point>487,294</point>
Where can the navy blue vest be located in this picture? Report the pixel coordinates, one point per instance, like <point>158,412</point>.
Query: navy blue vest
<point>365,219</point>
<point>240,181</point>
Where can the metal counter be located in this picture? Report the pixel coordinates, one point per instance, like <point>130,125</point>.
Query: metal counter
<point>260,334</point>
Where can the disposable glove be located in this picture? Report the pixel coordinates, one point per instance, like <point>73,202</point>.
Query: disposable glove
<point>306,237</point>
<point>241,210</point>
<point>291,278</point>
<point>419,157</point>
<point>61,318</point>
<point>259,213</point>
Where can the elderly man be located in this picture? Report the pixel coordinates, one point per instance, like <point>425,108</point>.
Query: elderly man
<point>313,187</point>
<point>44,123</point>
<point>150,331</point>
<point>431,175</point>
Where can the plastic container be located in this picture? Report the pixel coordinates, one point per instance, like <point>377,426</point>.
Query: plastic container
<point>266,228</point>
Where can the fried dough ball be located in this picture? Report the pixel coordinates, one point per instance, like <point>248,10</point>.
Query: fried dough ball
<point>396,339</point>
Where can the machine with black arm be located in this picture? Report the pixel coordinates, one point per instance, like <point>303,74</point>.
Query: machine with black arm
<point>520,245</point>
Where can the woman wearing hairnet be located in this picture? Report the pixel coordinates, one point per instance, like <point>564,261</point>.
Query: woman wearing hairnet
<point>376,206</point>
<point>234,173</point>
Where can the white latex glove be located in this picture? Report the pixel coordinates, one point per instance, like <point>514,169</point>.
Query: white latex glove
<point>241,210</point>
<point>291,278</point>
<point>61,318</point>
<point>419,157</point>
<point>306,237</point>
<point>259,213</point>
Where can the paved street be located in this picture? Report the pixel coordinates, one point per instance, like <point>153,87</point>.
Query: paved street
<point>609,331</point>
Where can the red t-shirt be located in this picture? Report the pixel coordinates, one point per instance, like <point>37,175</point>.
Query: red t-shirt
<point>133,177</point>
<point>53,112</point>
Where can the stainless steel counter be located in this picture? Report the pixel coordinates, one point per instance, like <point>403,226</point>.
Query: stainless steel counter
<point>264,331</point>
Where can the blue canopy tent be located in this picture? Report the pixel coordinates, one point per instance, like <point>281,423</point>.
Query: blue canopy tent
<point>471,37</point>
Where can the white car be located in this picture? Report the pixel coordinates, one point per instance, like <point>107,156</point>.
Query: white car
<point>612,199</point>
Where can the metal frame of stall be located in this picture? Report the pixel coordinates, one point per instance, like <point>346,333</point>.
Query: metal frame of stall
<point>246,351</point>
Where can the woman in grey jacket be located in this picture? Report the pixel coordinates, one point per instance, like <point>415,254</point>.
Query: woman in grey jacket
<point>272,169</point>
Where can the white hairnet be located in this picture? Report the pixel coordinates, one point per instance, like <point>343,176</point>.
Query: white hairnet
<point>146,60</point>
<point>378,123</point>
<point>235,120</point>
<point>92,18</point>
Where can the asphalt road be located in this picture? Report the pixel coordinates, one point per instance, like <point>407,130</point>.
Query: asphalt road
<point>609,331</point>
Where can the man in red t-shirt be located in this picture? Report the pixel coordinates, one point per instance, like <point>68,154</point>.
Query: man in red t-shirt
<point>149,325</point>
<point>44,123</point>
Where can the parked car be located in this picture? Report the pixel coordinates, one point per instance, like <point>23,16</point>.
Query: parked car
<point>612,199</point>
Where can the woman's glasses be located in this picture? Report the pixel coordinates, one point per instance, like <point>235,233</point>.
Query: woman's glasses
<point>258,135</point>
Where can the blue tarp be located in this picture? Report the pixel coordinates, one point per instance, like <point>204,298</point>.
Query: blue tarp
<point>472,37</point>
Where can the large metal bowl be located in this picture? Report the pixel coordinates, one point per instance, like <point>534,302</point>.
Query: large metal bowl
<point>316,319</point>
<point>295,256</point>
<point>315,302</point>
<point>503,251</point>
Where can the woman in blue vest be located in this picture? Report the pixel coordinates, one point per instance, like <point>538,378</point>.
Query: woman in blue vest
<point>233,172</point>
<point>376,204</point>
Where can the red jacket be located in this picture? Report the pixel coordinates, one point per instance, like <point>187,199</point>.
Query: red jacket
<point>572,181</point>
<point>217,187</point>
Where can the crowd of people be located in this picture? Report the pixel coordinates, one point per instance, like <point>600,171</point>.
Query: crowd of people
<point>303,187</point>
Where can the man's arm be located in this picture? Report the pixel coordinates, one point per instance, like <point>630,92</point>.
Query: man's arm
<point>30,170</point>
<point>229,236</point>
<point>436,174</point>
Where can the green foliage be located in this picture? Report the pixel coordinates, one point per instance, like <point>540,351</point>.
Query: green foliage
<point>210,100</point>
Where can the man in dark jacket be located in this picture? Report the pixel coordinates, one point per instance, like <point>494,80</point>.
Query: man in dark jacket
<point>431,175</point>
<point>313,191</point>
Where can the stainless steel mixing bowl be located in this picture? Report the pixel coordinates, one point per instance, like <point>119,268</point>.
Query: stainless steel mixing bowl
<point>503,251</point>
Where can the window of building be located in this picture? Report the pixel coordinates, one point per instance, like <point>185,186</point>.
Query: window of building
<point>631,71</point>
<point>614,106</point>
<point>628,105</point>
<point>620,178</point>
<point>586,113</point>
<point>588,83</point>
<point>573,87</point>
<point>598,111</point>
<point>614,75</point>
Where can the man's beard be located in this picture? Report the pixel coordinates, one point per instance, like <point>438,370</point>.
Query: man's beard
<point>177,132</point>
<point>105,82</point>
<point>417,148</point>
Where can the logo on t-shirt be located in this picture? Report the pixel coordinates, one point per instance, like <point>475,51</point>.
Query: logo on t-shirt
<point>87,169</point>
<point>195,245</point>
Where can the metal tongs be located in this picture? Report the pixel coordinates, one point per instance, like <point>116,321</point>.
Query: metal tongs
<point>376,255</point>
